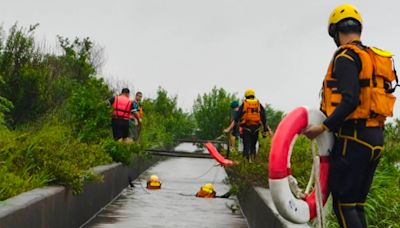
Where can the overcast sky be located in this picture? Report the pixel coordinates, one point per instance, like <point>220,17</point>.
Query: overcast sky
<point>279,48</point>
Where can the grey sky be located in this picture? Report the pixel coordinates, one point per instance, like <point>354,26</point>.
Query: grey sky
<point>279,48</point>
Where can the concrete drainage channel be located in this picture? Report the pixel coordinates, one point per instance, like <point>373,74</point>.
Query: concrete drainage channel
<point>260,211</point>
<point>55,206</point>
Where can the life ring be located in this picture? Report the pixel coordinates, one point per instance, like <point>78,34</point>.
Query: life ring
<point>294,209</point>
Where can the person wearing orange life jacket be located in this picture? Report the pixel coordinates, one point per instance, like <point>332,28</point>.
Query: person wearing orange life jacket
<point>137,115</point>
<point>251,118</point>
<point>153,182</point>
<point>122,109</point>
<point>206,191</point>
<point>356,98</point>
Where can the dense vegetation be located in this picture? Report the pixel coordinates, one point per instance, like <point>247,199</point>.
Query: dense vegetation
<point>54,119</point>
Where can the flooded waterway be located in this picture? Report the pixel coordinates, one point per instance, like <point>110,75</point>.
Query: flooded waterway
<point>175,204</point>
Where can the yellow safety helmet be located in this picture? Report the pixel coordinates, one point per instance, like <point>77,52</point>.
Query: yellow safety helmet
<point>340,13</point>
<point>249,92</point>
<point>153,178</point>
<point>209,188</point>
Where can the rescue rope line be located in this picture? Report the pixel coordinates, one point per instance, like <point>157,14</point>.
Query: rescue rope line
<point>310,181</point>
<point>206,172</point>
<point>141,185</point>
<point>215,176</point>
<point>318,193</point>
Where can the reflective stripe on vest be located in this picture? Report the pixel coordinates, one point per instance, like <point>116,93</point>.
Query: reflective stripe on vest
<point>122,107</point>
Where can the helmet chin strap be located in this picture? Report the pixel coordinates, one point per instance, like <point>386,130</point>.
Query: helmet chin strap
<point>336,39</point>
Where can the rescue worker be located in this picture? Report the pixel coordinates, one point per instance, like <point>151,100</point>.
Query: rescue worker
<point>122,108</point>
<point>251,118</point>
<point>206,191</point>
<point>356,98</point>
<point>153,182</point>
<point>233,129</point>
<point>137,115</point>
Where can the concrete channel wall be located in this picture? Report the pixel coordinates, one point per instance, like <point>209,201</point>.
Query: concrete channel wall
<point>260,211</point>
<point>56,206</point>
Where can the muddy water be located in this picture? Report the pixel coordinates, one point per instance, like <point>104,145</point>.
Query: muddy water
<point>174,205</point>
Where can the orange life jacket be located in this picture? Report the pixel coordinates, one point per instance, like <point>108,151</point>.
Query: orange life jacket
<point>141,113</point>
<point>153,185</point>
<point>205,194</point>
<point>140,109</point>
<point>375,79</point>
<point>252,112</point>
<point>122,107</point>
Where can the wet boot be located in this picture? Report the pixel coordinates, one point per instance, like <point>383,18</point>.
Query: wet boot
<point>361,215</point>
<point>348,216</point>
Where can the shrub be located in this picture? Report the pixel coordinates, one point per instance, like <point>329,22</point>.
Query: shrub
<point>87,112</point>
<point>121,152</point>
<point>48,155</point>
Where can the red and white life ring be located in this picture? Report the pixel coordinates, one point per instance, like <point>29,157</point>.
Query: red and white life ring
<point>294,209</point>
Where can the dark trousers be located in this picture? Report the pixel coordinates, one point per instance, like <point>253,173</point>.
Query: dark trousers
<point>120,128</point>
<point>354,158</point>
<point>135,132</point>
<point>250,138</point>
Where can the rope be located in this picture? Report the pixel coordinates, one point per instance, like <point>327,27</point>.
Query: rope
<point>318,194</point>
<point>215,176</point>
<point>205,173</point>
<point>310,181</point>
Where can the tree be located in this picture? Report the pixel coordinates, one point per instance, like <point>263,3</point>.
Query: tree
<point>274,117</point>
<point>164,121</point>
<point>77,58</point>
<point>212,113</point>
<point>20,67</point>
<point>5,106</point>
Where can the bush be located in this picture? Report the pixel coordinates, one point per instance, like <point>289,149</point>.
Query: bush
<point>121,152</point>
<point>87,112</point>
<point>245,175</point>
<point>48,155</point>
